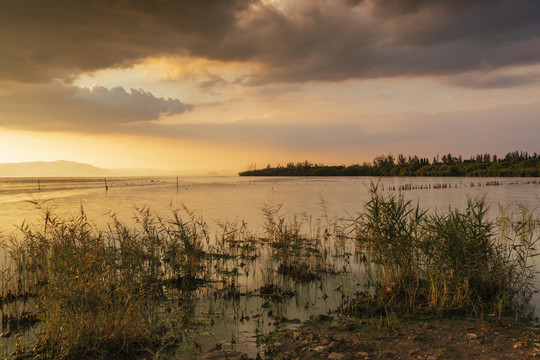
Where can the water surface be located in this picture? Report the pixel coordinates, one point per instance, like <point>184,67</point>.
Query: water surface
<point>229,198</point>
<point>320,200</point>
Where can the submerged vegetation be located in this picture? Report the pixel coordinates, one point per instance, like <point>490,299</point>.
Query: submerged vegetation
<point>136,291</point>
<point>513,164</point>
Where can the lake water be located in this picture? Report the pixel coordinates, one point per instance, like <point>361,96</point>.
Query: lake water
<point>220,199</point>
<point>229,198</point>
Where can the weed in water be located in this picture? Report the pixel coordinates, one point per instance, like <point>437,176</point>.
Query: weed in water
<point>441,263</point>
<point>101,294</point>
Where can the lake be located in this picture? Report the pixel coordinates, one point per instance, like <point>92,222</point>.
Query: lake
<point>319,200</point>
<point>229,198</point>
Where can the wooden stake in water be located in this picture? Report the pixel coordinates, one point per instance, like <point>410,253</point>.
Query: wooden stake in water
<point>38,185</point>
<point>106,187</point>
<point>177,183</point>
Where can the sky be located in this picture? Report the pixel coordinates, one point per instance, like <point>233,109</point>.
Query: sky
<point>222,85</point>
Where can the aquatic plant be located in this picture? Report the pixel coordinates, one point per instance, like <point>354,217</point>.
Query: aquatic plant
<point>441,263</point>
<point>100,294</point>
<point>126,291</point>
<point>301,256</point>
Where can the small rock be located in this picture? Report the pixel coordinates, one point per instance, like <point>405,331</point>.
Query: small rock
<point>325,341</point>
<point>321,348</point>
<point>472,336</point>
<point>335,356</point>
<point>518,345</point>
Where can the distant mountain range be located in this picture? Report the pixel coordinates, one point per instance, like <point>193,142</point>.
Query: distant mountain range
<point>64,168</point>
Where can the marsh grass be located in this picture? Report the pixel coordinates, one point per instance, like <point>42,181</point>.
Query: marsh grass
<point>99,294</point>
<point>301,254</point>
<point>134,291</point>
<point>441,263</point>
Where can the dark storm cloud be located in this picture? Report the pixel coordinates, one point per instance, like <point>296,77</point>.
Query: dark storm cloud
<point>297,42</point>
<point>405,38</point>
<point>40,40</point>
<point>57,107</point>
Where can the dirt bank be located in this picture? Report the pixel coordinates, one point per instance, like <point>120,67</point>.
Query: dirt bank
<point>428,338</point>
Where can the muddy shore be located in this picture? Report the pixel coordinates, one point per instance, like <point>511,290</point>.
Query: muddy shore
<point>326,337</point>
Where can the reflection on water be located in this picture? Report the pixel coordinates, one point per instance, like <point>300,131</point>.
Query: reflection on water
<point>220,198</point>
<point>237,319</point>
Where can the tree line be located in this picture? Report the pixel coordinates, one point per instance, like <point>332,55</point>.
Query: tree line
<point>516,163</point>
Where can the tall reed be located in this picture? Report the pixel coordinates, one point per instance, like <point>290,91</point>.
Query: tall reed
<point>442,262</point>
<point>300,255</point>
<point>100,293</point>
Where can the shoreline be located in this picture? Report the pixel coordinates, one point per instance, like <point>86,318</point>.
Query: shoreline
<point>432,338</point>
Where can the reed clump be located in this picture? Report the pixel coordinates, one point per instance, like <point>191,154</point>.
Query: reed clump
<point>101,294</point>
<point>301,257</point>
<point>456,262</point>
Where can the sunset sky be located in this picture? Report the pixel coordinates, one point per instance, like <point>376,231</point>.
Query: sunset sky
<point>215,84</point>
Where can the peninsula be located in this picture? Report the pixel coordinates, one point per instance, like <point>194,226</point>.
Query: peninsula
<point>517,163</point>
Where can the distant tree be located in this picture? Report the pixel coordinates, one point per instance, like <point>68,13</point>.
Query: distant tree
<point>516,163</point>
<point>401,160</point>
